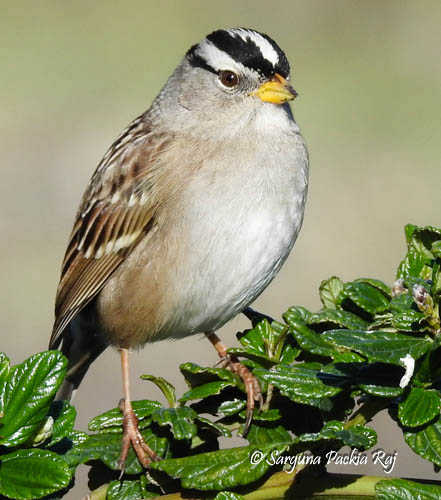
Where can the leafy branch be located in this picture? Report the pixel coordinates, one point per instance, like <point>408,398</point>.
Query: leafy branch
<point>324,375</point>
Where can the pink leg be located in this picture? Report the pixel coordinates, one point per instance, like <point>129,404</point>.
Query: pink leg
<point>131,434</point>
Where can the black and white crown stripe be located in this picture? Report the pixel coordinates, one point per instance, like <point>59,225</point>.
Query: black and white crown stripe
<point>265,45</point>
<point>237,49</point>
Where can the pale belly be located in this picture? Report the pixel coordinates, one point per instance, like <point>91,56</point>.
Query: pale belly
<point>231,249</point>
<point>231,273</point>
<point>213,254</point>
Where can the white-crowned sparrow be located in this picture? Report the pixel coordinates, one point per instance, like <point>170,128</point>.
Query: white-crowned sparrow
<point>190,214</point>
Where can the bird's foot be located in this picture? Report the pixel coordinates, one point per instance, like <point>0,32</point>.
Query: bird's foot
<point>252,386</point>
<point>132,436</point>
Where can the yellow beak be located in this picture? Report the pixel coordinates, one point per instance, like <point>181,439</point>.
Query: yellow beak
<point>277,90</point>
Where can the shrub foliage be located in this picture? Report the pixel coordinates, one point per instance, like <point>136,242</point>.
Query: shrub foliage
<point>323,374</point>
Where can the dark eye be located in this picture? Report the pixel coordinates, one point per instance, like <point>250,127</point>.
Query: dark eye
<point>228,78</point>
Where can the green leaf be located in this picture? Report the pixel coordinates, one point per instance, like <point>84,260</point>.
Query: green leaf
<point>422,239</point>
<point>64,415</point>
<point>205,390</point>
<point>436,287</point>
<point>4,366</point>
<point>403,489</point>
<point>228,495</point>
<point>124,490</point>
<point>405,317</point>
<point>221,469</point>
<point>347,357</point>
<point>78,437</point>
<point>364,296</point>
<point>196,375</point>
<point>420,407</point>
<point>378,284</point>
<point>228,408</point>
<point>301,385</point>
<point>381,391</point>
<point>107,448</point>
<point>146,488</point>
<point>407,321</point>
<point>166,388</point>
<point>382,322</point>
<point>44,432</point>
<point>297,313</point>
<point>427,442</point>
<point>289,353</point>
<point>264,342</point>
<point>429,371</point>
<point>265,416</point>
<point>289,350</point>
<point>128,490</point>
<point>112,420</point>
<point>328,319</point>
<point>402,302</point>
<point>4,373</point>
<point>262,436</point>
<point>180,421</point>
<point>218,429</point>
<point>329,291</point>
<point>329,431</point>
<point>27,474</point>
<point>409,229</point>
<point>358,436</point>
<point>422,242</point>
<point>436,249</point>
<point>386,347</point>
<point>28,392</point>
<point>254,339</point>
<point>260,359</point>
<point>375,379</point>
<point>415,264</point>
<point>311,341</point>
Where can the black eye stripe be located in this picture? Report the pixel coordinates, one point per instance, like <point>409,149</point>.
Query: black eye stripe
<point>198,61</point>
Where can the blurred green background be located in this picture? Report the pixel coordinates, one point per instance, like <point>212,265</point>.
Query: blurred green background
<point>74,74</point>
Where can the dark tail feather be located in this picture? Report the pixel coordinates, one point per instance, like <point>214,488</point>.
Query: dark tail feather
<point>81,347</point>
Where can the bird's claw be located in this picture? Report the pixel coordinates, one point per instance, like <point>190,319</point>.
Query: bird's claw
<point>252,387</point>
<point>132,436</point>
<point>223,362</point>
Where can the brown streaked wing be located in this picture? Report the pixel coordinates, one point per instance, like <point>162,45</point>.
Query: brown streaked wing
<point>108,226</point>
<point>94,275</point>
